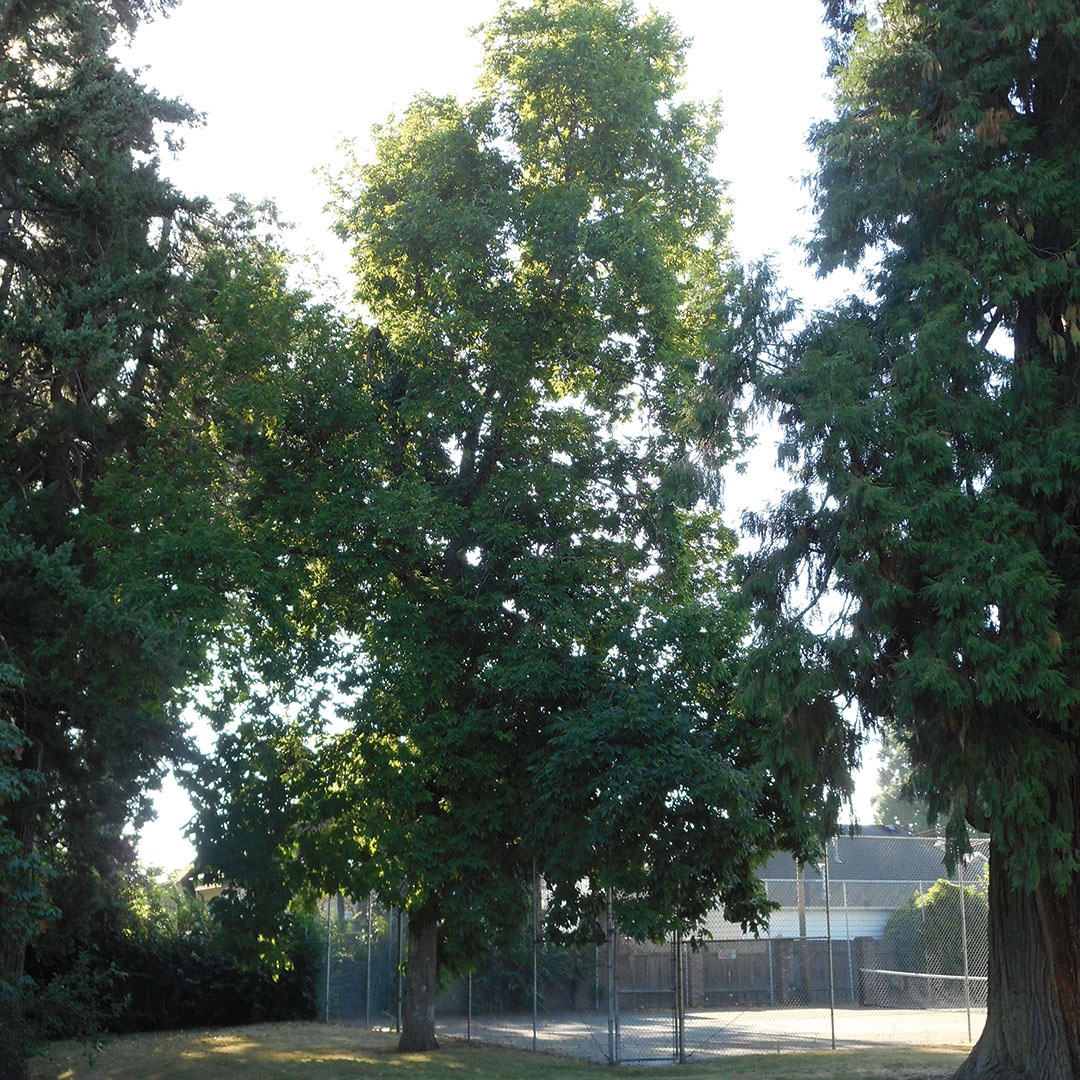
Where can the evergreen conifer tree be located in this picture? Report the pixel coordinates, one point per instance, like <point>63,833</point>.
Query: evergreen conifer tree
<point>113,546</point>
<point>934,428</point>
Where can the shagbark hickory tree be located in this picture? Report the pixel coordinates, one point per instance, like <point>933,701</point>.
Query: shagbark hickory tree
<point>935,429</point>
<point>514,547</point>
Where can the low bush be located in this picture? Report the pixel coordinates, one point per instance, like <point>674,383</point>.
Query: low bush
<point>152,958</point>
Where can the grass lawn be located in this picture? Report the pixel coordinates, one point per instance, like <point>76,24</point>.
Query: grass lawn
<point>300,1051</point>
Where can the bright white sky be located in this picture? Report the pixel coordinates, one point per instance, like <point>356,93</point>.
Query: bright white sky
<point>281,85</point>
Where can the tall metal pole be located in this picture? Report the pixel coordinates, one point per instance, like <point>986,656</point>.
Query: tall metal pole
<point>326,1018</point>
<point>615,995</point>
<point>610,985</point>
<point>535,937</point>
<point>828,942</point>
<point>964,940</point>
<point>400,958</point>
<point>847,934</point>
<point>390,956</point>
<point>680,1010</point>
<point>468,1015</point>
<point>772,979</point>
<point>367,988</point>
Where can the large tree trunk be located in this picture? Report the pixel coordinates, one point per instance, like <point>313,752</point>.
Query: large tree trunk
<point>421,983</point>
<point>1033,993</point>
<point>13,1045</point>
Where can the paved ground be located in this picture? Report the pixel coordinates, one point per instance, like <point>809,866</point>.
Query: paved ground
<point>651,1036</point>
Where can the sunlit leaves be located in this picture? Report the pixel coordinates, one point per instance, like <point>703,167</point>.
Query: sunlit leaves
<point>538,602</point>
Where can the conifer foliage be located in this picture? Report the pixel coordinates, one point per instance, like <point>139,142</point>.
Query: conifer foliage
<point>934,426</point>
<point>85,272</point>
<point>108,544</point>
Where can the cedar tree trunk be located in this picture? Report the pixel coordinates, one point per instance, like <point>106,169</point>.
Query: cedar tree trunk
<point>421,983</point>
<point>1033,994</point>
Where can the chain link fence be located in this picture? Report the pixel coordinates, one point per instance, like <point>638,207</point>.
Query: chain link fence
<point>876,945</point>
<point>364,947</point>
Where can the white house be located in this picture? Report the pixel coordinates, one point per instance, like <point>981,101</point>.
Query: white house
<point>870,874</point>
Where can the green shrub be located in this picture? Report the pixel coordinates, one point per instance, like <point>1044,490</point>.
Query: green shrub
<point>150,958</point>
<point>926,929</point>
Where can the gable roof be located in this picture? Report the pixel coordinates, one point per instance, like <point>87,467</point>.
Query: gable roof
<point>877,867</point>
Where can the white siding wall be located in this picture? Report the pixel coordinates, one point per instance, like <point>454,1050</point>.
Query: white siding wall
<point>846,925</point>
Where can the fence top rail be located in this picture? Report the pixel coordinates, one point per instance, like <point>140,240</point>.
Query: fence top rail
<point>923,975</point>
<point>816,883</point>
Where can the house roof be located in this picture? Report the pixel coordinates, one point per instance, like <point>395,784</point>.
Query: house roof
<point>877,867</point>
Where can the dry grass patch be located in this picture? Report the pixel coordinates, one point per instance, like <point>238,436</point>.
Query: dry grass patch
<point>316,1052</point>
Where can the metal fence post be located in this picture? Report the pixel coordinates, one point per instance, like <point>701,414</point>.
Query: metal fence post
<point>326,1018</point>
<point>400,960</point>
<point>615,995</point>
<point>828,943</point>
<point>390,966</point>
<point>772,977</point>
<point>468,1013</point>
<point>964,943</point>
<point>535,937</point>
<point>847,934</point>
<point>610,984</point>
<point>680,1010</point>
<point>367,978</point>
<point>922,912</point>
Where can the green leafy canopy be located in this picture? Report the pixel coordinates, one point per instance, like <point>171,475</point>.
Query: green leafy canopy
<point>508,539</point>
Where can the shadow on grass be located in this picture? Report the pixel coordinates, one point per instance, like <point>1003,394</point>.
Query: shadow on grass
<point>288,1052</point>
<point>299,1051</point>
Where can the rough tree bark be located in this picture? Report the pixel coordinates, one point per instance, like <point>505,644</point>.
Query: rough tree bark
<point>1033,992</point>
<point>421,983</point>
